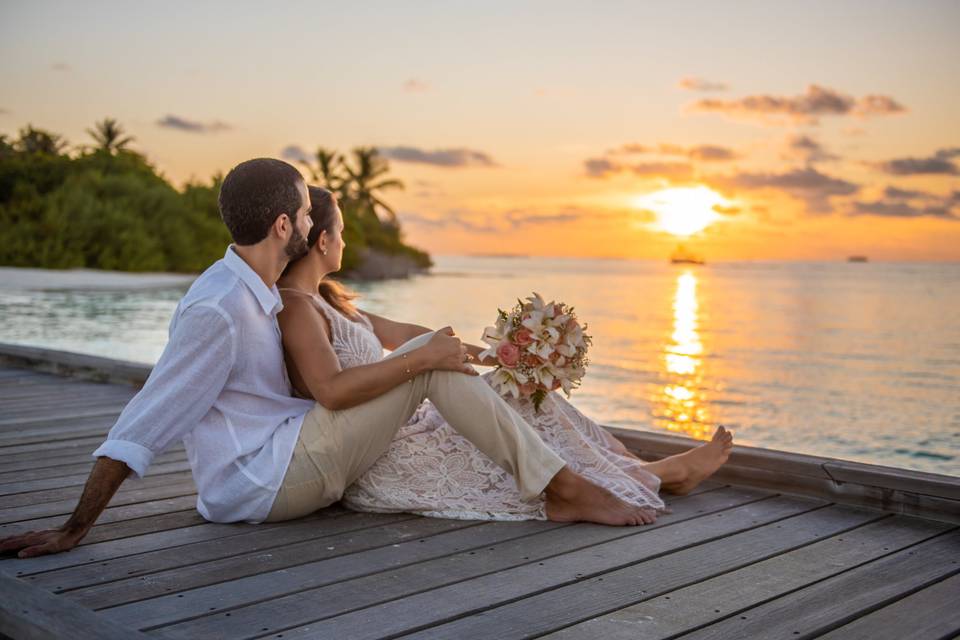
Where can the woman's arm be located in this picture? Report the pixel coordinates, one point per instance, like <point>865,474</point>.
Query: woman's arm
<point>306,340</point>
<point>392,334</point>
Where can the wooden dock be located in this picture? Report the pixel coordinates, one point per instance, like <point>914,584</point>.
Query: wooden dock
<point>779,546</point>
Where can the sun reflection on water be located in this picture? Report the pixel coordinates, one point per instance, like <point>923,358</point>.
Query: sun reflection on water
<point>680,404</point>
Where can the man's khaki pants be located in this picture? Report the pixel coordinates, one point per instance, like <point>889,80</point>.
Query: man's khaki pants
<point>335,447</point>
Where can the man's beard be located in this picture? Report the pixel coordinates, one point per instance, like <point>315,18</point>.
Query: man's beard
<point>296,246</point>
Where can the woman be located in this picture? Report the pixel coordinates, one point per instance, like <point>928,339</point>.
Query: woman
<point>429,468</point>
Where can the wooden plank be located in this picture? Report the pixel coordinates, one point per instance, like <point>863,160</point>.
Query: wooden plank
<point>27,451</point>
<point>253,540</point>
<point>47,415</point>
<point>929,613</point>
<point>343,584</point>
<point>183,487</point>
<point>109,515</point>
<point>66,466</point>
<point>233,567</point>
<point>161,475</point>
<point>18,398</point>
<point>27,612</point>
<point>174,518</point>
<point>578,587</point>
<point>826,605</point>
<point>900,490</point>
<point>704,603</point>
<point>71,452</point>
<point>141,543</point>
<point>257,587</point>
<point>61,438</point>
<point>76,365</point>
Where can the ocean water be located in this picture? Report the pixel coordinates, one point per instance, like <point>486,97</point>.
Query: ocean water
<point>855,361</point>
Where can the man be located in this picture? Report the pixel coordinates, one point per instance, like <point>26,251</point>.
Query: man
<point>221,385</point>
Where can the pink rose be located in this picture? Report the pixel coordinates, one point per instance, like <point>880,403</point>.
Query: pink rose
<point>570,325</point>
<point>523,337</point>
<point>527,388</point>
<point>554,356</point>
<point>508,354</point>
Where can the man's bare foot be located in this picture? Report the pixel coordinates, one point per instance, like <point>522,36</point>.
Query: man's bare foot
<point>573,498</point>
<point>681,473</point>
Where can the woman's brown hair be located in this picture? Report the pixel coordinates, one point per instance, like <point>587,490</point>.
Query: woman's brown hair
<point>324,215</point>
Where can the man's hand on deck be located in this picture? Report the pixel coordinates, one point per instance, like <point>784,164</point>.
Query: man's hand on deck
<point>40,543</point>
<point>105,478</point>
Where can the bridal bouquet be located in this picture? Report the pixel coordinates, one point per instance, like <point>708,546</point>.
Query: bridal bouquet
<point>540,347</point>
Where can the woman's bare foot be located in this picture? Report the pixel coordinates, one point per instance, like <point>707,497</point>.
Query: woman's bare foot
<point>573,498</point>
<point>681,473</point>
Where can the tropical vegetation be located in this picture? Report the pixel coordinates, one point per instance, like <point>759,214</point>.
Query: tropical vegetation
<point>104,206</point>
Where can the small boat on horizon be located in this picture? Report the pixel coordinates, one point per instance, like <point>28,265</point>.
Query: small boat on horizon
<point>857,259</point>
<point>682,256</point>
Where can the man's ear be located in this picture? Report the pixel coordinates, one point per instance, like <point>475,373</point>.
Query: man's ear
<point>282,226</point>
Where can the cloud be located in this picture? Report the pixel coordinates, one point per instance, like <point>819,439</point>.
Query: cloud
<point>60,66</point>
<point>727,211</point>
<point>453,218</point>
<point>520,218</point>
<point>673,170</point>
<point>440,157</point>
<point>691,83</point>
<point>938,163</point>
<point>600,167</point>
<point>899,209</point>
<point>807,149</point>
<point>808,184</point>
<point>893,193</point>
<point>414,85</point>
<point>703,152</point>
<point>191,126</point>
<point>511,220</point>
<point>604,167</point>
<point>295,153</point>
<point>807,108</point>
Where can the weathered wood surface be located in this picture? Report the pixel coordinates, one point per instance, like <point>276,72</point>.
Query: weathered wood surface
<point>730,561</point>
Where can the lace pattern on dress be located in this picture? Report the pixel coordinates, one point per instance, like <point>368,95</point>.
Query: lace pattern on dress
<point>353,341</point>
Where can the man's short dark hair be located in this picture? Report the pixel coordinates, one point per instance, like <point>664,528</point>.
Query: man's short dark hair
<point>254,194</point>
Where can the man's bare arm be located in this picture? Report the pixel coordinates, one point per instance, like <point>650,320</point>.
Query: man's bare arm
<point>105,478</point>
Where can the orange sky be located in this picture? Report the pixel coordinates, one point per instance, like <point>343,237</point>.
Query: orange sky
<point>538,128</point>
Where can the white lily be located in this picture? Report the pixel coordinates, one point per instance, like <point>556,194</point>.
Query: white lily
<point>534,321</point>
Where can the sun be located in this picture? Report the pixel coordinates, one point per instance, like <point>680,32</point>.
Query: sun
<point>682,211</point>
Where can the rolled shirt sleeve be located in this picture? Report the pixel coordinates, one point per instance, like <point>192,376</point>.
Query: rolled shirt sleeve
<point>181,389</point>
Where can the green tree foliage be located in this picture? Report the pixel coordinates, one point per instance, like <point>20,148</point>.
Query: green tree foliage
<point>106,207</point>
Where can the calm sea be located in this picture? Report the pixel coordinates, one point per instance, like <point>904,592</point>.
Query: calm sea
<point>856,361</point>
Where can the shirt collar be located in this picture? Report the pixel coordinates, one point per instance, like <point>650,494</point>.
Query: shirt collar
<point>268,297</point>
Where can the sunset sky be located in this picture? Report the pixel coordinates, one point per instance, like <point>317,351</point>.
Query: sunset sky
<point>808,131</point>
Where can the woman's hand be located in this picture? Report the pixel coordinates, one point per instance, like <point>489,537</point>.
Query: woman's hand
<point>445,351</point>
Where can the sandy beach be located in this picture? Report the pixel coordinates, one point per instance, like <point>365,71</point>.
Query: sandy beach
<point>13,278</point>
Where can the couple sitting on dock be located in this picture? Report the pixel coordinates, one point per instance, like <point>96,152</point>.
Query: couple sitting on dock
<point>278,387</point>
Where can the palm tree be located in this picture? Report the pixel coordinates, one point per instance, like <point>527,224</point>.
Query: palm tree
<point>364,181</point>
<point>33,140</point>
<point>109,136</point>
<point>329,169</point>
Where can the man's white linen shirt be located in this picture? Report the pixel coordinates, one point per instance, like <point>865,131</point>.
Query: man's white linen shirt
<point>221,386</point>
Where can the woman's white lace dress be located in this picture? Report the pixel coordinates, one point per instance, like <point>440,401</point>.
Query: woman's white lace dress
<point>432,470</point>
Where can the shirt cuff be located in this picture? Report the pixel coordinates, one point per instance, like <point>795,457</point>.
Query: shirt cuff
<point>136,456</point>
